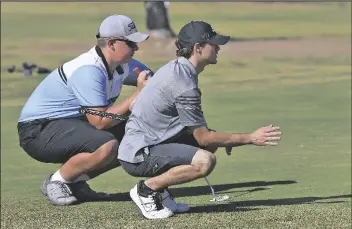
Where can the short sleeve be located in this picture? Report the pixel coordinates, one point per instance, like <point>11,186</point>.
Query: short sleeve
<point>131,78</point>
<point>189,108</point>
<point>88,83</point>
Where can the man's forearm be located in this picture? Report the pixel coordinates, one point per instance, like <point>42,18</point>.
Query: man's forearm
<point>221,139</point>
<point>121,109</point>
<point>267,135</point>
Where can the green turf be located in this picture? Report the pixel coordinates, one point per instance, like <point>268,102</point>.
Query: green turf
<point>305,182</point>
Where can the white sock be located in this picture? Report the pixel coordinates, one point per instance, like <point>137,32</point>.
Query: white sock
<point>83,177</point>
<point>57,176</point>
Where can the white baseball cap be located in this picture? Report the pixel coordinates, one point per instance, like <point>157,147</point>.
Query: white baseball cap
<point>120,26</point>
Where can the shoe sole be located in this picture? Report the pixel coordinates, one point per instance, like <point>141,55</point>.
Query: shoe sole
<point>63,204</point>
<point>135,200</point>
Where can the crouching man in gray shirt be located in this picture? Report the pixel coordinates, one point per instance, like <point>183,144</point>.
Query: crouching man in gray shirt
<point>167,138</point>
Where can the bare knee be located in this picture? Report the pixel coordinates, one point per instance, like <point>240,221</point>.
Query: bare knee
<point>204,161</point>
<point>108,150</point>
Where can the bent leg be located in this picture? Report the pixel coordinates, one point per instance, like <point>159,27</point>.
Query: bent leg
<point>171,164</point>
<point>118,131</point>
<point>167,164</point>
<point>202,164</point>
<point>79,146</point>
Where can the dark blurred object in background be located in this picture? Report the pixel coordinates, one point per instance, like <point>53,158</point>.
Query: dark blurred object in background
<point>27,69</point>
<point>42,70</point>
<point>157,19</point>
<point>28,65</point>
<point>11,69</point>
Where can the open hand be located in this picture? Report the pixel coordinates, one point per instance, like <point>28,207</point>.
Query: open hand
<point>267,135</point>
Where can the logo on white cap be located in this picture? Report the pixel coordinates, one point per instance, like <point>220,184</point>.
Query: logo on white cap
<point>132,26</point>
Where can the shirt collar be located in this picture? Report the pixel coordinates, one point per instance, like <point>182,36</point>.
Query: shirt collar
<point>189,65</point>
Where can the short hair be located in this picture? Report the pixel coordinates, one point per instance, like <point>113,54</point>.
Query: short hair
<point>102,43</point>
<point>185,52</point>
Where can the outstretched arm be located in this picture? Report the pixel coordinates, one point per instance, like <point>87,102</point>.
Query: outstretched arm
<point>191,115</point>
<point>267,135</point>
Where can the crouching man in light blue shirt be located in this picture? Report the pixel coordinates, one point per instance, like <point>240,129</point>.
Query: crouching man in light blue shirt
<point>51,127</point>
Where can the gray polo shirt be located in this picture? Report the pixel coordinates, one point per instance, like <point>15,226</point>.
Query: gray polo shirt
<point>170,101</point>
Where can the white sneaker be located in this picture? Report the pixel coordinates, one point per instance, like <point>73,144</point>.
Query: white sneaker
<point>151,206</point>
<point>60,193</point>
<point>170,203</point>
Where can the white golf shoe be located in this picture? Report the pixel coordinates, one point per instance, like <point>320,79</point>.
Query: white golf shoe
<point>151,206</point>
<point>60,193</point>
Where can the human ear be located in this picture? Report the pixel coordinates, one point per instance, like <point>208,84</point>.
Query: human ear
<point>111,44</point>
<point>197,48</point>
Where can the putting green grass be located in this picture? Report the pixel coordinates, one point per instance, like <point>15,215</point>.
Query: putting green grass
<point>304,182</point>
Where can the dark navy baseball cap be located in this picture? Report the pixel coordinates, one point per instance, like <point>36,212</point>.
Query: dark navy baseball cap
<point>199,32</point>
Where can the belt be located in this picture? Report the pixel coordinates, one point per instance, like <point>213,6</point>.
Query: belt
<point>33,122</point>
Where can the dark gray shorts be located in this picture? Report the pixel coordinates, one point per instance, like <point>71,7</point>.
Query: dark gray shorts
<point>55,141</point>
<point>162,157</point>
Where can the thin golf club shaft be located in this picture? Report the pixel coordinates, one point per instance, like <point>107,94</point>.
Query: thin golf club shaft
<point>211,188</point>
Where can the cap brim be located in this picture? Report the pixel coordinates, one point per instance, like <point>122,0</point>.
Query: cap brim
<point>137,37</point>
<point>219,39</point>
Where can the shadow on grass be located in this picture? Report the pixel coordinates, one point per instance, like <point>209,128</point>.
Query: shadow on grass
<point>204,190</point>
<point>246,205</point>
<point>219,208</point>
<point>286,201</point>
<point>239,206</point>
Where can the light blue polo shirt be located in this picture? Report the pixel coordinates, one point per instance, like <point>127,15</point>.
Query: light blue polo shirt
<point>82,81</point>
